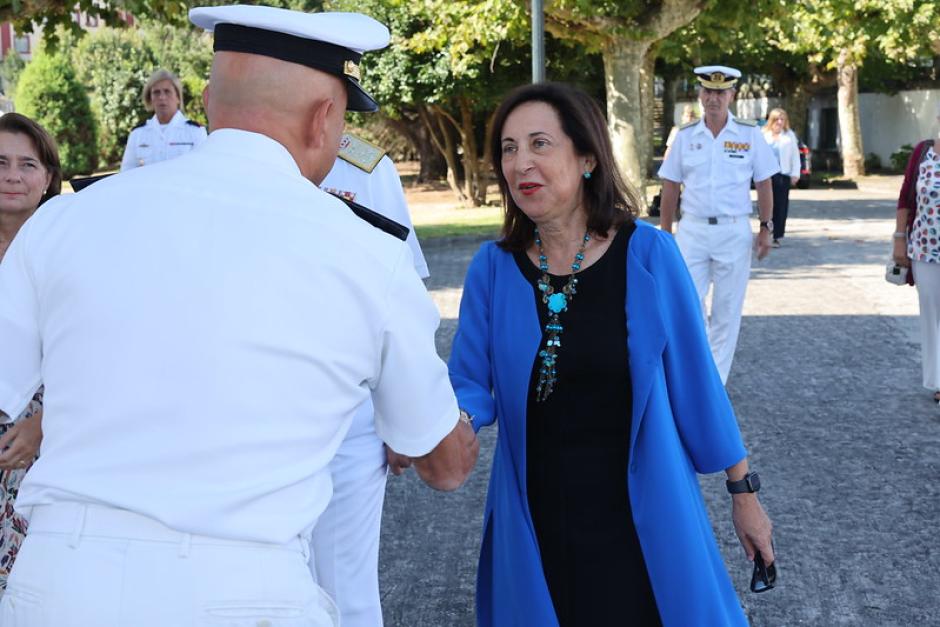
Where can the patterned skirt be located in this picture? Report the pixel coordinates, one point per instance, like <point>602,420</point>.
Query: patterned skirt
<point>12,525</point>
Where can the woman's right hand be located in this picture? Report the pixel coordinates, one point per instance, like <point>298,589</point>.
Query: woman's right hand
<point>900,253</point>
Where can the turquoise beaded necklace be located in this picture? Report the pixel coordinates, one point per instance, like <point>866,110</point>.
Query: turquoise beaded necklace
<point>556,302</point>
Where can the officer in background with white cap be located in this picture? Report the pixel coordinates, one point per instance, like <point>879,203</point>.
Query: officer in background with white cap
<point>715,159</point>
<point>169,133</point>
<point>205,329</point>
<point>345,541</point>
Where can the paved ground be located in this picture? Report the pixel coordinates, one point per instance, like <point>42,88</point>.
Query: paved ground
<point>826,384</point>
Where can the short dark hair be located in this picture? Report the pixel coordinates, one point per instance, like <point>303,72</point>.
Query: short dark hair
<point>608,200</point>
<point>43,143</point>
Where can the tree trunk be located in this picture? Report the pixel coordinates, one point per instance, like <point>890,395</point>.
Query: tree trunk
<point>624,63</point>
<point>441,137</point>
<point>797,105</point>
<point>432,166</point>
<point>647,105</point>
<point>670,85</point>
<point>850,129</point>
<point>474,180</point>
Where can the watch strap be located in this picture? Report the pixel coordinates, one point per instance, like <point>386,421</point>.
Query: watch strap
<point>748,485</point>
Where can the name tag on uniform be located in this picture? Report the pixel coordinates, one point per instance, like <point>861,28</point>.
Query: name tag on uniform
<point>182,143</point>
<point>736,150</point>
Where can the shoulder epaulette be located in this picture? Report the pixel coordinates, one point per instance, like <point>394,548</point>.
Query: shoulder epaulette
<point>376,219</point>
<point>362,154</point>
<point>194,123</point>
<point>688,124</point>
<point>141,125</point>
<point>746,122</point>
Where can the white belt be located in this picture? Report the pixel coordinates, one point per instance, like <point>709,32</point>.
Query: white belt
<point>716,219</point>
<point>79,520</point>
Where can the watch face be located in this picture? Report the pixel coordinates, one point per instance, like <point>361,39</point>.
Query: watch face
<point>753,481</point>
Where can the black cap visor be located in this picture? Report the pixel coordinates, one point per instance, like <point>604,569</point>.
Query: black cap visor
<point>318,55</point>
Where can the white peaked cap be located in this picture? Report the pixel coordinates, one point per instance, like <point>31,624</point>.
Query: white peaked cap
<point>329,42</point>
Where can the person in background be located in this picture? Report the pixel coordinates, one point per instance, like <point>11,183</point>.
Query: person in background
<point>689,115</point>
<point>206,328</point>
<point>917,246</point>
<point>594,514</point>
<point>714,161</point>
<point>345,555</point>
<point>30,174</point>
<point>786,149</point>
<point>168,133</point>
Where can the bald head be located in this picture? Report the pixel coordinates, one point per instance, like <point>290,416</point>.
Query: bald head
<point>298,106</point>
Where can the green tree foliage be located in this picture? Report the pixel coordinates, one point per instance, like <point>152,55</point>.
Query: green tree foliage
<point>10,69</point>
<point>49,92</point>
<point>841,34</point>
<point>627,35</point>
<point>448,66</point>
<point>114,65</point>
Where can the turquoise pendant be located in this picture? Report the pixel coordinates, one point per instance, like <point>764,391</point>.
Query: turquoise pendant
<point>557,302</point>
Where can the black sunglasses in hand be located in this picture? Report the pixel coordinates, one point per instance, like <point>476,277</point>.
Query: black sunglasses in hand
<point>764,576</point>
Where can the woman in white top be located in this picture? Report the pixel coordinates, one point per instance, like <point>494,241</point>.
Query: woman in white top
<point>786,147</point>
<point>168,133</point>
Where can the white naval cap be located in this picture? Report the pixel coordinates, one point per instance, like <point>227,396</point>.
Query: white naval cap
<point>329,42</point>
<point>717,76</point>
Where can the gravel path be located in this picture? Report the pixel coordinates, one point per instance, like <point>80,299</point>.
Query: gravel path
<point>826,384</point>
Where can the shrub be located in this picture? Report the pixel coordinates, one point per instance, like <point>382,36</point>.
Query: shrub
<point>49,92</point>
<point>900,158</point>
<point>872,162</point>
<point>10,69</point>
<point>114,65</point>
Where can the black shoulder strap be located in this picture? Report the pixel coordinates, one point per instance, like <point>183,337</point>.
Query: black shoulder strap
<point>194,123</point>
<point>377,220</point>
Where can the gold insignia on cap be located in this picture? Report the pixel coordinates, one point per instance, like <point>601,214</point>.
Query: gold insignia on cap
<point>351,69</point>
<point>717,77</point>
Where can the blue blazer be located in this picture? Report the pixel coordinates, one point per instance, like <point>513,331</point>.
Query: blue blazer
<point>683,423</point>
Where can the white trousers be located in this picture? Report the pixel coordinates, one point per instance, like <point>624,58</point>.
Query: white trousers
<point>927,280</point>
<point>719,255</point>
<point>345,541</point>
<point>93,566</point>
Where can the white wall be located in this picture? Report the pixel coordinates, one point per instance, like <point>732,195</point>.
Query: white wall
<point>888,122</point>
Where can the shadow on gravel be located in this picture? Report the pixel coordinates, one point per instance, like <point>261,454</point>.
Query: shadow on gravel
<point>848,445</point>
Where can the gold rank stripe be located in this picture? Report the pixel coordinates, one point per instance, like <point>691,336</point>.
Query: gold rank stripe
<point>362,154</point>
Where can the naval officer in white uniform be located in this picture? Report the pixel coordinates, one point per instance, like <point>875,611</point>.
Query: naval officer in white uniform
<point>346,539</point>
<point>168,133</point>
<point>715,159</point>
<point>205,329</point>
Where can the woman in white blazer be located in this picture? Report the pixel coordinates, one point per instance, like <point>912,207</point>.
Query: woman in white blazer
<point>786,147</point>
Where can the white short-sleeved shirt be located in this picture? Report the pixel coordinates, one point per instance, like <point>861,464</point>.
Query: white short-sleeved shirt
<point>716,172</point>
<point>153,142</point>
<point>379,190</point>
<point>205,329</point>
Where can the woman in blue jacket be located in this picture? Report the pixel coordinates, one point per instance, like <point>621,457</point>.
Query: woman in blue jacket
<point>581,331</point>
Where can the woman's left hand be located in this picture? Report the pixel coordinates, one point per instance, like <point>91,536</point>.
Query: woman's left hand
<point>20,444</point>
<point>753,526</point>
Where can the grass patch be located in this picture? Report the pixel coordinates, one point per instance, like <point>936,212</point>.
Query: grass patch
<point>457,222</point>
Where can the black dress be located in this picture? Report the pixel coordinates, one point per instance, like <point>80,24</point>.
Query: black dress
<point>577,448</point>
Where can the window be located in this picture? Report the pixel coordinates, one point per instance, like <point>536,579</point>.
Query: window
<point>21,44</point>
